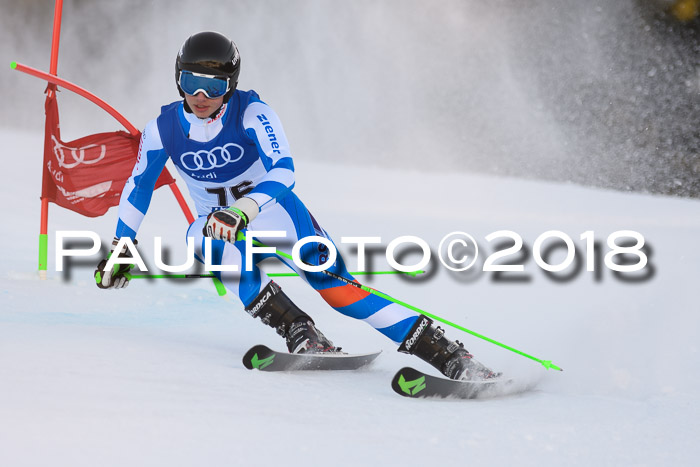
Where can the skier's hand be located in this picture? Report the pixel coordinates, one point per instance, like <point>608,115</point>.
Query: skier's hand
<point>117,277</point>
<point>226,223</point>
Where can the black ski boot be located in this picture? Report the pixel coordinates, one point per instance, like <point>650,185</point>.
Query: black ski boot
<point>450,358</point>
<point>279,312</point>
<point>304,337</point>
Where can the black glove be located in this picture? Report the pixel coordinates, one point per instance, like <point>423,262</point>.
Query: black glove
<point>118,276</point>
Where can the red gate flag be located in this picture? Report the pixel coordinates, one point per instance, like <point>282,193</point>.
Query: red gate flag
<point>88,175</point>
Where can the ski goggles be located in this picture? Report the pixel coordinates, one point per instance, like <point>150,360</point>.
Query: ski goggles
<point>211,85</point>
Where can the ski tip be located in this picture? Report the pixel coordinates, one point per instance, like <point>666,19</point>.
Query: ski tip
<point>256,356</point>
<point>13,65</point>
<point>408,382</point>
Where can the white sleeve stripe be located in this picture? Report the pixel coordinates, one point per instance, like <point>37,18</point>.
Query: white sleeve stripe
<point>131,216</point>
<point>283,176</point>
<point>260,198</point>
<point>388,316</point>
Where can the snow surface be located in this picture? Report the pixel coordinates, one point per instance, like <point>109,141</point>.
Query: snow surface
<point>152,375</point>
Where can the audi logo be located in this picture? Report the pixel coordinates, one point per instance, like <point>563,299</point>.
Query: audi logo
<point>211,159</point>
<point>77,155</point>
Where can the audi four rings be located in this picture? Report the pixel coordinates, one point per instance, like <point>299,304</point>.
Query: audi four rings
<point>77,154</point>
<point>217,157</point>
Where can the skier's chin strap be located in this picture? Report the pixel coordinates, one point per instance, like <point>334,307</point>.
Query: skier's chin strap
<point>189,110</point>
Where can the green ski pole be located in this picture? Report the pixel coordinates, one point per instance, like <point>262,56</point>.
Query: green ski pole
<point>545,363</point>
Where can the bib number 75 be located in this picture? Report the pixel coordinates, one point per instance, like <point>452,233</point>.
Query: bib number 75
<point>235,192</point>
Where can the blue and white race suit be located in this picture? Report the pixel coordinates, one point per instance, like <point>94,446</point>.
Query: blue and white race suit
<point>243,151</point>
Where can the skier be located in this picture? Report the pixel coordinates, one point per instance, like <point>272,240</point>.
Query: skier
<point>231,150</point>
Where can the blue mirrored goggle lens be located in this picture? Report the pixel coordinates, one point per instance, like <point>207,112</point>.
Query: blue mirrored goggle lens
<point>211,86</point>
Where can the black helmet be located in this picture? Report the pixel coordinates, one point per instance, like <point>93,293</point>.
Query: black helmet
<point>209,53</point>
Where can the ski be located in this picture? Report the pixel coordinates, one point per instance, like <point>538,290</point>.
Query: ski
<point>410,382</point>
<point>261,357</point>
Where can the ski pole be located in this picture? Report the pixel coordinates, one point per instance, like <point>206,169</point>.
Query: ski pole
<point>545,363</point>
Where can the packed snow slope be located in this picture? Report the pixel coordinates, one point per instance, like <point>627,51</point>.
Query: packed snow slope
<point>152,375</point>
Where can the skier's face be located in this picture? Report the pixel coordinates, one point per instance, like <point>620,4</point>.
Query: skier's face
<point>202,106</point>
